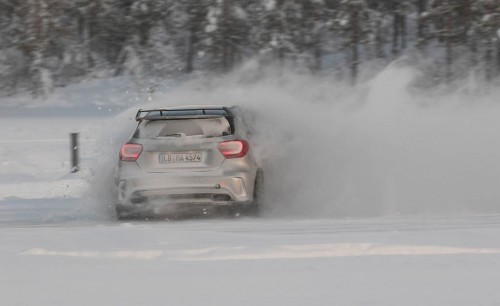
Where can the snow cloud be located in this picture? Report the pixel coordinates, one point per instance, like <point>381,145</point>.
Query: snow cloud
<point>385,147</point>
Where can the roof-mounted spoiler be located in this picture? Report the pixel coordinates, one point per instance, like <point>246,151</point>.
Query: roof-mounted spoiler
<point>164,113</point>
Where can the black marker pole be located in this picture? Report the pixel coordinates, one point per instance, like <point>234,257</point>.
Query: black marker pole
<point>75,164</point>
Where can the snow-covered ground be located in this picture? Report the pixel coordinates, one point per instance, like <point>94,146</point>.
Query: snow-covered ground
<point>384,261</point>
<point>376,197</point>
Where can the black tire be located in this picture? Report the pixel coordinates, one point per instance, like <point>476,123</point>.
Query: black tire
<point>122,213</point>
<point>125,213</point>
<point>254,209</point>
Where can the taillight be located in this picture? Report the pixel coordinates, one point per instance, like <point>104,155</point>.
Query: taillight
<point>130,152</point>
<point>233,148</point>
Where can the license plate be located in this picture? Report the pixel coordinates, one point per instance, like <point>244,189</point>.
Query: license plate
<point>168,158</point>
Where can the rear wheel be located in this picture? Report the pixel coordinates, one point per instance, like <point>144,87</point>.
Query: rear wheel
<point>122,213</point>
<point>258,195</point>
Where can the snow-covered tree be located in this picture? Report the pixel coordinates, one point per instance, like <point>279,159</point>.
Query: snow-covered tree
<point>353,24</point>
<point>487,27</point>
<point>12,59</point>
<point>226,33</point>
<point>399,9</point>
<point>186,21</point>
<point>290,30</point>
<point>49,43</point>
<point>443,14</point>
<point>39,33</point>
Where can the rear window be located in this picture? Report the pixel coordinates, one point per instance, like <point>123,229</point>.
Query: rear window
<point>201,128</point>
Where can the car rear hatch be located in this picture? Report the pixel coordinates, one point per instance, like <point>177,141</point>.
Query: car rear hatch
<point>181,145</point>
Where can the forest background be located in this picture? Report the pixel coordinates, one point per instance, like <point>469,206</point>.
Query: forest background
<point>46,44</point>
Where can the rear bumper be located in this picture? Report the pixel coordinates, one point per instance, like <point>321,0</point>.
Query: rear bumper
<point>199,188</point>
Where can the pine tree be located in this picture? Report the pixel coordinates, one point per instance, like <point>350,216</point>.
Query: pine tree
<point>488,30</point>
<point>196,13</point>
<point>443,15</point>
<point>12,59</point>
<point>227,33</point>
<point>421,26</point>
<point>352,21</point>
<point>399,10</point>
<point>37,19</point>
<point>311,28</point>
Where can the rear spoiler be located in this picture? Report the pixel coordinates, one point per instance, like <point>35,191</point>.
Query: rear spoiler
<point>196,113</point>
<point>164,113</point>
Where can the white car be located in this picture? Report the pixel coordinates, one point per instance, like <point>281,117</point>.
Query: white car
<point>186,158</point>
